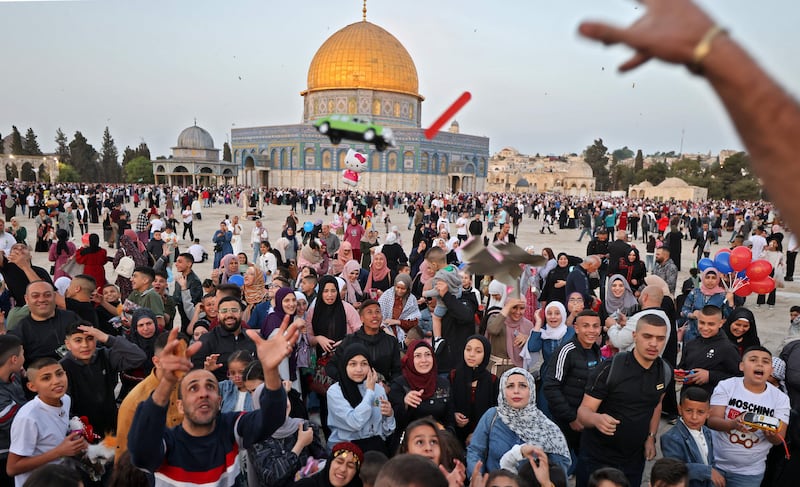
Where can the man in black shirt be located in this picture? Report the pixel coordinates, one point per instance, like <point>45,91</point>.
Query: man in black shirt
<point>78,298</point>
<point>19,272</point>
<point>44,331</point>
<point>622,406</point>
<point>618,249</point>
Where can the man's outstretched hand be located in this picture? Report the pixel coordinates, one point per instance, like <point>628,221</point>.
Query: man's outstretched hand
<point>272,351</point>
<point>669,30</point>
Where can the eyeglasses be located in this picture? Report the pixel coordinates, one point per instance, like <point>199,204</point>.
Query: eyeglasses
<point>229,310</point>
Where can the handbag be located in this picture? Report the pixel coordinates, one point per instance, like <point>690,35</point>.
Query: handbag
<point>71,267</point>
<point>320,382</point>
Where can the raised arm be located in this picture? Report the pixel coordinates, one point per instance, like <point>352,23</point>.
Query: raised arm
<point>766,117</point>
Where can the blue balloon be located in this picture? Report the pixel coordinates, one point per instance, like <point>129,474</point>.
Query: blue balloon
<point>705,263</point>
<point>742,274</point>
<point>236,279</point>
<point>308,226</point>
<point>723,263</point>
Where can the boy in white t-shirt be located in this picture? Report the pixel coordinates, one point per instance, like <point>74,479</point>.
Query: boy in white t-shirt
<point>740,451</point>
<point>39,433</point>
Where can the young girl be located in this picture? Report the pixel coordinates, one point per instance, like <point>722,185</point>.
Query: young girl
<point>424,437</point>
<point>234,393</point>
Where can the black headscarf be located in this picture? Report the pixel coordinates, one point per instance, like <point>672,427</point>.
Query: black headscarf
<point>464,376</point>
<point>750,337</point>
<point>94,244</point>
<point>148,345</point>
<point>329,320</point>
<point>61,246</point>
<point>350,388</point>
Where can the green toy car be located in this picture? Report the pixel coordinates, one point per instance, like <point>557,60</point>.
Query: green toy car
<point>338,127</point>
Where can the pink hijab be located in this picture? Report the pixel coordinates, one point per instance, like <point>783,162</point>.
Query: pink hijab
<point>714,290</point>
<point>132,235</point>
<point>353,288</point>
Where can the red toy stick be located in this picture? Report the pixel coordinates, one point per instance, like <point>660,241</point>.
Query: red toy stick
<point>447,115</point>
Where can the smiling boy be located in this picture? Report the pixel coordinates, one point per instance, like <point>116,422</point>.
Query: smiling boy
<point>740,451</point>
<point>711,356</point>
<point>39,432</point>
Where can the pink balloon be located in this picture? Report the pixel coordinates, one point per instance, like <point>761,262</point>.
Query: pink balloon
<point>758,270</point>
<point>740,258</point>
<point>722,251</point>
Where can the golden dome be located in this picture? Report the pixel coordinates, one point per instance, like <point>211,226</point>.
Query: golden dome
<point>363,55</point>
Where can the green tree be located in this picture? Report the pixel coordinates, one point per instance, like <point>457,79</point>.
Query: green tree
<point>62,146</point>
<point>2,145</point>
<point>595,156</point>
<point>110,169</point>
<point>16,142</point>
<point>139,170</point>
<point>67,174</point>
<point>733,179</point>
<point>638,163</point>
<point>30,144</point>
<point>622,177</point>
<point>226,152</point>
<point>622,154</point>
<point>656,173</point>
<point>130,154</point>
<point>84,157</point>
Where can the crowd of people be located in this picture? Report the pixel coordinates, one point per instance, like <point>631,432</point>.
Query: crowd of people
<point>334,349</point>
<point>395,346</point>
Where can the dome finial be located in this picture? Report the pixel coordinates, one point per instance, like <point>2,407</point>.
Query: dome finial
<point>364,11</point>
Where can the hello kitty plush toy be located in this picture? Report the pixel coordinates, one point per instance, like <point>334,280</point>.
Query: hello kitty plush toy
<point>355,162</point>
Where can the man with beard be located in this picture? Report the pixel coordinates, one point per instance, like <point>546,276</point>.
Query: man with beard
<point>666,269</point>
<point>203,450</point>
<point>225,338</point>
<point>621,407</point>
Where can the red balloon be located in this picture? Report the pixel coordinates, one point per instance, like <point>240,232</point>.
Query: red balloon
<point>740,258</point>
<point>722,251</point>
<point>764,286</point>
<point>758,270</point>
<point>744,291</point>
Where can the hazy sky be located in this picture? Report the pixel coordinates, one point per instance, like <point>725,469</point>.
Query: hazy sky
<point>148,68</point>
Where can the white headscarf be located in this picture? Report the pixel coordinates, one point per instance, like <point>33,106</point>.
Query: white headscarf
<point>559,331</point>
<point>529,423</point>
<point>497,287</point>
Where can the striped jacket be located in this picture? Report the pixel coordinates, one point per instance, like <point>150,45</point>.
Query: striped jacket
<point>565,379</point>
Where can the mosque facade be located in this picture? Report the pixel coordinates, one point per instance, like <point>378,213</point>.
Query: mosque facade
<point>361,70</point>
<point>194,161</point>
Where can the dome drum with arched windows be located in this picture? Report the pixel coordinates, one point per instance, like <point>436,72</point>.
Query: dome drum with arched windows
<point>194,162</point>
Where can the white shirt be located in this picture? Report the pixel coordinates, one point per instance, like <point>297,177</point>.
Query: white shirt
<point>187,216</point>
<point>759,243</point>
<point>461,226</point>
<point>258,235</point>
<point>700,441</point>
<point>156,225</point>
<point>37,429</point>
<point>6,242</point>
<point>197,251</point>
<point>745,453</point>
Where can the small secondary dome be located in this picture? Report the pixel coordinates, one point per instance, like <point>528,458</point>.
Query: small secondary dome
<point>195,137</point>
